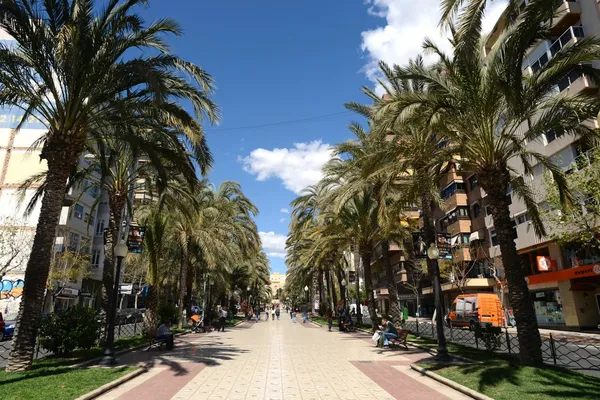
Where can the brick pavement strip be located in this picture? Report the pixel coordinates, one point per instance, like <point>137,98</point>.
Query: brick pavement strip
<point>278,360</point>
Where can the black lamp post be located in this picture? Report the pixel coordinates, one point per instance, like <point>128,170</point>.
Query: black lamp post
<point>120,252</point>
<point>433,254</point>
<point>306,291</point>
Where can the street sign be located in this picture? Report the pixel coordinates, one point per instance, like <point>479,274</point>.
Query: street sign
<point>135,239</point>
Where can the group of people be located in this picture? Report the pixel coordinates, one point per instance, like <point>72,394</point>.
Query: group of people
<point>254,313</point>
<point>294,311</point>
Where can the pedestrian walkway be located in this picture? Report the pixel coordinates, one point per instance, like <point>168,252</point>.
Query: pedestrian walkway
<point>279,360</point>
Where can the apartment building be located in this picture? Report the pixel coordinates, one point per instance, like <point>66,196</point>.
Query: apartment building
<point>79,230</point>
<point>565,285</point>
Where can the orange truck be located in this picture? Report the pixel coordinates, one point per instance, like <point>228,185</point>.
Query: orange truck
<point>475,308</point>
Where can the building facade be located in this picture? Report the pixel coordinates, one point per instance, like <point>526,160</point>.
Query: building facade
<point>277,285</point>
<point>564,284</point>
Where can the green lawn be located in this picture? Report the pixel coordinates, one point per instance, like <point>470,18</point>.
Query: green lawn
<point>52,378</point>
<point>501,378</point>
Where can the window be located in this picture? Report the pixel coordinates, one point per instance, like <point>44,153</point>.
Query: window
<point>552,135</point>
<point>514,225</point>
<point>453,216</point>
<point>93,191</point>
<point>493,238</point>
<point>95,258</point>
<point>476,210</point>
<point>473,184</point>
<point>488,210</point>
<point>521,219</point>
<point>73,241</point>
<point>100,227</point>
<point>89,219</point>
<point>78,211</point>
<point>452,189</point>
<point>460,240</point>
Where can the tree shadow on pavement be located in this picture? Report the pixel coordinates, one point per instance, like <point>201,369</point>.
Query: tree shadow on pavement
<point>183,353</point>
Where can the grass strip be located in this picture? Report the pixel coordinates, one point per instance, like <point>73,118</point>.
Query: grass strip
<point>500,376</point>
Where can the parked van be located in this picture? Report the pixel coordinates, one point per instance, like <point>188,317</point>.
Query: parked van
<point>476,308</point>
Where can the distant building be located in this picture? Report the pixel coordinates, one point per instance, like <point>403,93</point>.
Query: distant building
<point>277,284</point>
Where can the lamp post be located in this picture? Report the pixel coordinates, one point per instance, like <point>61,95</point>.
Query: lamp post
<point>344,283</point>
<point>306,291</point>
<point>433,254</point>
<point>120,252</point>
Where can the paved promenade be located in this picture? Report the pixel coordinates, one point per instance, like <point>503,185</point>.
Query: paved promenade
<point>279,360</point>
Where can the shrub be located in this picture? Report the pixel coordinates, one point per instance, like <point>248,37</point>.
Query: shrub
<point>168,312</point>
<point>76,328</point>
<point>490,335</point>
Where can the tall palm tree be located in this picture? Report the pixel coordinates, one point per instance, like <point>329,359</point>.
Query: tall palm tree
<point>491,109</point>
<point>67,68</point>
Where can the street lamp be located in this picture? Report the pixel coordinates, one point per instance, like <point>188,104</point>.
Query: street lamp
<point>433,253</point>
<point>120,251</point>
<point>306,291</point>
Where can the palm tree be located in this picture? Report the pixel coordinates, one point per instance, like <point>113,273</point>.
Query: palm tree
<point>67,69</point>
<point>491,109</point>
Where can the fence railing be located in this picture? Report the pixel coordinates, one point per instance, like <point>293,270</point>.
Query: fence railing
<point>121,331</point>
<point>581,354</point>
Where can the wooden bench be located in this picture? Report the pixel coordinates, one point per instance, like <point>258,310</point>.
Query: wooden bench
<point>400,340</point>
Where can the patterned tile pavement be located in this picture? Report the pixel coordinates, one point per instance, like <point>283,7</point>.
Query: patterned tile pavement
<point>278,360</point>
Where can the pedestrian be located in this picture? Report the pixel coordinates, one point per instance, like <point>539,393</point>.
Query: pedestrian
<point>293,316</point>
<point>272,314</point>
<point>257,314</point>
<point>291,312</point>
<point>304,313</point>
<point>222,318</point>
<point>329,319</point>
<point>277,312</point>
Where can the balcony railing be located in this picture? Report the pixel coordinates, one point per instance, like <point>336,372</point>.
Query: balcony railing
<point>573,33</point>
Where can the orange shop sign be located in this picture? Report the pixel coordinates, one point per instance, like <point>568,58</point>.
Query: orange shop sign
<point>545,264</point>
<point>565,274</point>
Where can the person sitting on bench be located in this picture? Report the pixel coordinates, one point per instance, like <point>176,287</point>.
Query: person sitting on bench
<point>164,334</point>
<point>388,331</point>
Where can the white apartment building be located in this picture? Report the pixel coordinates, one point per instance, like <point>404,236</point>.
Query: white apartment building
<point>568,295</point>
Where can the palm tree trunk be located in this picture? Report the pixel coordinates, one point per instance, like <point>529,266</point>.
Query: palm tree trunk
<point>434,269</point>
<point>530,344</point>
<point>189,288</point>
<point>333,292</point>
<point>365,256</point>
<point>183,273</point>
<point>117,204</point>
<point>357,268</point>
<point>320,284</point>
<point>342,287</point>
<point>329,301</point>
<point>395,311</point>
<point>38,266</point>
<point>151,314</point>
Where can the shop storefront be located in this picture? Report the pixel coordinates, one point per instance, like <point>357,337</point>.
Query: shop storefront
<point>548,307</point>
<point>568,298</point>
<point>65,298</point>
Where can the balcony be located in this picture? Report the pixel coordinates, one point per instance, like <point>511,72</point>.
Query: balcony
<point>571,34</point>
<point>576,83</point>
<point>567,14</point>
<point>462,225</point>
<point>460,254</point>
<point>449,177</point>
<point>459,198</point>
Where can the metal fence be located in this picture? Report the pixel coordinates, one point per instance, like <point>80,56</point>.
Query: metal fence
<point>121,331</point>
<point>581,354</point>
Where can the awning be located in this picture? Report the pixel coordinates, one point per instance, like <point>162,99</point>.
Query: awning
<point>477,235</point>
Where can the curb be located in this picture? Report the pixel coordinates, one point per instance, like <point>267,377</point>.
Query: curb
<point>117,353</point>
<point>456,386</point>
<point>111,385</point>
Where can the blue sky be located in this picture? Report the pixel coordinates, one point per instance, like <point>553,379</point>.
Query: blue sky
<point>276,61</point>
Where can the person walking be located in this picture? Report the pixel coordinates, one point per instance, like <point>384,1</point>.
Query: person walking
<point>304,313</point>
<point>272,314</point>
<point>222,318</point>
<point>277,312</point>
<point>293,316</point>
<point>329,319</point>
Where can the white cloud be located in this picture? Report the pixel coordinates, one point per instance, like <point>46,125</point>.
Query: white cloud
<point>407,24</point>
<point>277,255</point>
<point>285,211</point>
<point>273,244</point>
<point>282,220</point>
<point>297,167</point>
